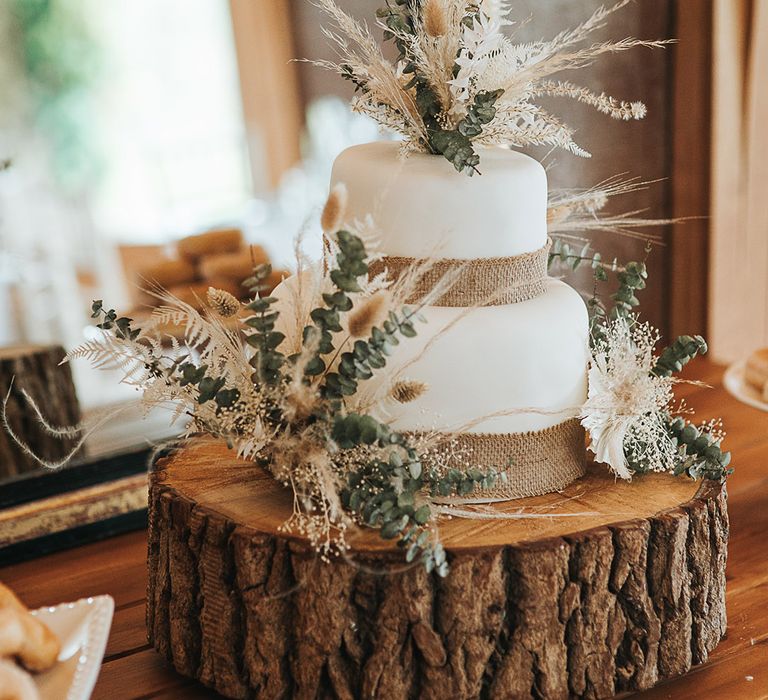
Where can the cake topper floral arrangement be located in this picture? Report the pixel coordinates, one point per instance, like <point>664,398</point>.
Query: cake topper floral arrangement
<point>458,82</point>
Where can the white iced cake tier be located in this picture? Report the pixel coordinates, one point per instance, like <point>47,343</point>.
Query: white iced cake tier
<point>518,367</point>
<point>423,207</point>
<point>528,360</point>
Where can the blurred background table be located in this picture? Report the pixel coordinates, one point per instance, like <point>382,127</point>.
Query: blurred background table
<point>738,668</point>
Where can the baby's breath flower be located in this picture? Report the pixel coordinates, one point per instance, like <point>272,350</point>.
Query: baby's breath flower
<point>627,404</point>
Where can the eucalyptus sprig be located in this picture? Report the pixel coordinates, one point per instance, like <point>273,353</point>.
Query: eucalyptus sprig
<point>630,277</point>
<point>455,143</point>
<point>700,452</point>
<point>120,326</point>
<point>263,338</point>
<point>391,494</point>
<point>679,354</point>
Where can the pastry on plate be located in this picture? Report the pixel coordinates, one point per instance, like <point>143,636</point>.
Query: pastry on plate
<point>23,637</point>
<point>756,371</point>
<point>15,683</point>
<point>24,642</point>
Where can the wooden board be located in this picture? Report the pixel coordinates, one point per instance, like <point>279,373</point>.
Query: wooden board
<point>627,591</point>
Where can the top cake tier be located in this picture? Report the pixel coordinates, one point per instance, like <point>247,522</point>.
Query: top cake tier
<point>424,208</point>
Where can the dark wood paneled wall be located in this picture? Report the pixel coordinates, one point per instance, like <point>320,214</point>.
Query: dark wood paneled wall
<point>648,149</point>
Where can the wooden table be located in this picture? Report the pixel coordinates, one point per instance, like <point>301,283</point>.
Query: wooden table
<point>737,670</point>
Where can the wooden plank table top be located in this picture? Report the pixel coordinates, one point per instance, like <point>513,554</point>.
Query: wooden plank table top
<point>738,669</point>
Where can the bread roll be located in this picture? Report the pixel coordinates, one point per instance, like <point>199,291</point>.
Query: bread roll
<point>23,636</point>
<point>756,371</point>
<point>234,266</point>
<point>167,273</point>
<point>16,684</point>
<point>192,294</point>
<point>233,287</point>
<point>225,240</point>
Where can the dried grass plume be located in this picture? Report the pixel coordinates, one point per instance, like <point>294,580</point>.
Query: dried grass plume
<point>435,20</point>
<point>407,390</point>
<point>370,314</point>
<point>335,209</point>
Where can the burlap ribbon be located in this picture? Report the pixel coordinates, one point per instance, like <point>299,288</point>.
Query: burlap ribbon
<point>482,282</point>
<point>534,463</point>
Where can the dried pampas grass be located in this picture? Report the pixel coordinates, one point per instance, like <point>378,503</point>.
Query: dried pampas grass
<point>572,213</point>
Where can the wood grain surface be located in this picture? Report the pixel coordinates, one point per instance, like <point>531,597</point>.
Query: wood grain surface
<point>737,669</point>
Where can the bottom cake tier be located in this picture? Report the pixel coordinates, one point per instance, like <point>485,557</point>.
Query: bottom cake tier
<point>504,385</point>
<point>623,587</point>
<point>495,369</point>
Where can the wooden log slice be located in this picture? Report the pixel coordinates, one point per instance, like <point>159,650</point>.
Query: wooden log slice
<point>626,594</point>
<point>35,369</point>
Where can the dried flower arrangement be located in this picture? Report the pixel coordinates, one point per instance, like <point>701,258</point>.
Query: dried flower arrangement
<point>285,400</point>
<point>459,82</point>
<point>628,414</point>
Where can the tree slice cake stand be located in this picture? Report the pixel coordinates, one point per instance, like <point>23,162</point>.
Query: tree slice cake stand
<point>628,592</point>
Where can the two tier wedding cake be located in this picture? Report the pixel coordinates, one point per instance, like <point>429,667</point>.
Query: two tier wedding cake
<point>504,352</point>
<point>299,539</point>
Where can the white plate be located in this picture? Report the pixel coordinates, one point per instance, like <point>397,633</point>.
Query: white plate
<point>737,386</point>
<point>83,628</point>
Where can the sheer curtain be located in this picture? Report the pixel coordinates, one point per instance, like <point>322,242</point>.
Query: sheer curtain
<point>738,308</point>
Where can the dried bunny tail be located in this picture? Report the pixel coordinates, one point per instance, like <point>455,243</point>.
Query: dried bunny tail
<point>433,46</point>
<point>407,390</point>
<point>434,18</point>
<point>219,346</point>
<point>335,210</point>
<point>369,314</point>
